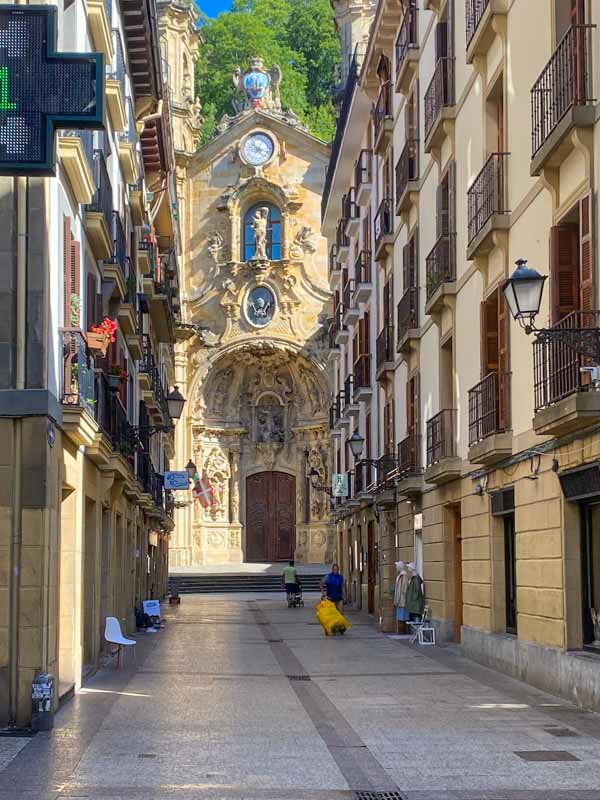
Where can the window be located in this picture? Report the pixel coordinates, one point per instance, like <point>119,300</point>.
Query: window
<point>273,232</point>
<point>510,573</point>
<point>590,551</point>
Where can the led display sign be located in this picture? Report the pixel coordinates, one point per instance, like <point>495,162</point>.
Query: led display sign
<point>42,90</point>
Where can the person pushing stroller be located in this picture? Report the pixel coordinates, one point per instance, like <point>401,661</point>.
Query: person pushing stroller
<point>291,583</point>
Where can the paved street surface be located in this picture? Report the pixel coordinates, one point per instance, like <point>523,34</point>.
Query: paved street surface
<point>241,698</point>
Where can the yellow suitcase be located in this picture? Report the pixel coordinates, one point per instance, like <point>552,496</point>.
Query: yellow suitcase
<point>330,618</point>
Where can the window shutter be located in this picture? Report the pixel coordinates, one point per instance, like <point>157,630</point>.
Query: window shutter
<point>356,342</point>
<point>489,332</point>
<point>452,198</point>
<point>366,334</point>
<point>412,405</point>
<point>368,436</point>
<point>90,302</point>
<point>586,255</point>
<point>413,258</point>
<point>67,271</point>
<point>75,282</point>
<point>564,270</point>
<point>503,363</point>
<point>406,266</point>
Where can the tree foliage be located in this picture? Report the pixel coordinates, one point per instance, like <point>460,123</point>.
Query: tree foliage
<point>299,35</point>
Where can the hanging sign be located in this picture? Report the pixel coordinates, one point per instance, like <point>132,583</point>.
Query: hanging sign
<point>177,480</point>
<point>41,90</point>
<point>151,607</point>
<point>339,484</point>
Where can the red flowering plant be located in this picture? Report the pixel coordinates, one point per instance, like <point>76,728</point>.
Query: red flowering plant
<point>108,327</point>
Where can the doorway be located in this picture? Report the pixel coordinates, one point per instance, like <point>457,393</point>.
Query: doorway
<point>458,582</point>
<point>270,517</point>
<point>590,564</point>
<point>371,567</point>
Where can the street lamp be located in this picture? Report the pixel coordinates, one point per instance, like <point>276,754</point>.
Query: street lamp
<point>315,482</point>
<point>356,443</point>
<point>190,468</point>
<point>523,292</point>
<point>176,402</point>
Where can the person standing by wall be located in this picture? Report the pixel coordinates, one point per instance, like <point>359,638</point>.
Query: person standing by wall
<point>333,587</point>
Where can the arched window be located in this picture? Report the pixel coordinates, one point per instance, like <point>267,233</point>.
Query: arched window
<point>273,232</point>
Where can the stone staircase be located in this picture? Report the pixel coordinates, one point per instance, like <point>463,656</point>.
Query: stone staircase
<point>236,582</point>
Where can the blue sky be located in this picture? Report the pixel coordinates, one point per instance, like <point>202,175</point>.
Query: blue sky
<point>213,7</point>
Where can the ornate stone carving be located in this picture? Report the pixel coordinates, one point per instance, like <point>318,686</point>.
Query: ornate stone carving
<point>257,87</point>
<point>234,540</point>
<point>303,242</point>
<point>216,539</point>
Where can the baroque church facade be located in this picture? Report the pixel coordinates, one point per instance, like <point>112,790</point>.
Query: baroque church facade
<point>253,348</point>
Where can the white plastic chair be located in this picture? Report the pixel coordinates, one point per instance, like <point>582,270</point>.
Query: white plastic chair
<point>114,635</point>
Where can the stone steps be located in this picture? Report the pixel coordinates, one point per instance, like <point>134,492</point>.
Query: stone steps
<point>237,582</point>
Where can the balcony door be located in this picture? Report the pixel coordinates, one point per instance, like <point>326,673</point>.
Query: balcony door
<point>495,356</point>
<point>270,517</point>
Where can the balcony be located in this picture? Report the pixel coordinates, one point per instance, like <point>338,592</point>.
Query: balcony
<point>341,329</point>
<point>128,310</point>
<point>362,388</point>
<point>439,104</point>
<point>440,271</point>
<point>443,465</point>
<point>561,99</point>
<point>114,284</point>
<point>362,270</point>
<point>350,212</point>
<point>112,419</point>
<point>343,420</point>
<point>407,50</point>
<point>146,257</point>
<point>483,24</point>
<point>408,320</point>
<point>153,392</point>
<point>335,416</point>
<point>334,350</point>
<point>342,241</point>
<point>383,119</point>
<point>163,301</point>
<point>73,159</point>
<point>334,264</point>
<point>362,177</point>
<point>78,389</point>
<point>115,87</point>
<point>364,480</point>
<point>385,353</point>
<point>98,216</point>
<point>350,307</point>
<point>487,206</point>
<point>564,397</point>
<point>407,176</point>
<point>99,26</point>
<point>383,226</point>
<point>490,439</point>
<point>351,407</point>
<point>410,470</point>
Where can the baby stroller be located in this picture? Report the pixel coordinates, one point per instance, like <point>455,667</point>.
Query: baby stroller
<point>294,599</point>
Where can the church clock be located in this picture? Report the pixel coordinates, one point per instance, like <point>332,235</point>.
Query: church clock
<point>257,149</point>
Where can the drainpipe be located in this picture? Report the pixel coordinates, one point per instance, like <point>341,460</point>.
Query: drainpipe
<point>20,190</point>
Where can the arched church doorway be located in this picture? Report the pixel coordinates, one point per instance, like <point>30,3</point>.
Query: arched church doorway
<point>270,517</point>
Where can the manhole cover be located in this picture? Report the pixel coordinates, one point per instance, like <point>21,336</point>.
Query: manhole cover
<point>562,733</point>
<point>545,755</point>
<point>147,755</point>
<point>376,796</point>
<point>275,641</point>
<point>298,677</point>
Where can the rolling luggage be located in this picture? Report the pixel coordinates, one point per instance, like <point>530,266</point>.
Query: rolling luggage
<point>330,618</point>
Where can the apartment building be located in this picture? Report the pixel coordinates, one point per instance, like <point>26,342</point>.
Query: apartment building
<point>87,420</point>
<point>464,145</point>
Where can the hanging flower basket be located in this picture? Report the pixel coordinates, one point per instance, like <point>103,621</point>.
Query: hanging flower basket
<point>115,377</point>
<point>97,343</point>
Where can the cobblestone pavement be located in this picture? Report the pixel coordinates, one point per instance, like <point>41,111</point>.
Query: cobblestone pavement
<point>240,698</point>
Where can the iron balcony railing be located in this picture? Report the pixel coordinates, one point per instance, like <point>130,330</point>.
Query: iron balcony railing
<point>557,367</point>
<point>102,201</point>
<point>333,262</point>
<point>440,436</point>
<point>407,167</point>
<point>349,390</point>
<point>362,267</point>
<point>119,253</point>
<point>349,206</point>
<point>487,400</point>
<point>408,312</point>
<point>348,294</point>
<point>385,346</point>
<point>362,373</point>
<point>407,38</point>
<point>148,365</point>
<point>341,401</point>
<point>362,168</point>
<point>150,248</point>
<point>112,418</point>
<point>364,476</point>
<point>331,334</point>
<point>117,70</point>
<point>487,194</point>
<point>351,83</point>
<point>382,110</point>
<point>79,386</point>
<point>565,82</point>
<point>338,318</point>
<point>474,11</point>
<point>130,135</point>
<point>131,296</point>
<point>409,456</point>
<point>440,92</point>
<point>341,239</point>
<point>386,469</point>
<point>440,264</point>
<point>383,224</point>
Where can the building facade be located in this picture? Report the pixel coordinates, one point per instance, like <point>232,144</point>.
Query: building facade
<point>90,309</point>
<point>255,305</point>
<point>465,144</point>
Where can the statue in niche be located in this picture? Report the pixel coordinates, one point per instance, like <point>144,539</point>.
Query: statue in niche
<point>270,424</point>
<point>220,391</point>
<point>313,390</point>
<point>259,226</point>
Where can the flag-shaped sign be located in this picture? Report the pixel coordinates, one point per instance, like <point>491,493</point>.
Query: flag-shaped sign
<point>203,490</point>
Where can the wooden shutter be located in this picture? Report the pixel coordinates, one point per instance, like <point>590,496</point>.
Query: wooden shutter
<point>75,281</point>
<point>564,271</point>
<point>368,436</point>
<point>366,334</point>
<point>586,256</point>
<point>489,335</point>
<point>388,425</point>
<point>503,384</point>
<point>388,301</point>
<point>441,40</point>
<point>90,302</point>
<point>67,271</point>
<point>452,197</point>
<point>357,339</point>
<point>412,405</point>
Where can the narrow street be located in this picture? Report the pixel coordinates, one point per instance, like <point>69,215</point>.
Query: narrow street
<point>240,698</point>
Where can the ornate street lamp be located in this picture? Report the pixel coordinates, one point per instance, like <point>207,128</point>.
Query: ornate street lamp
<point>356,443</point>
<point>523,292</point>
<point>176,402</point>
<point>190,468</point>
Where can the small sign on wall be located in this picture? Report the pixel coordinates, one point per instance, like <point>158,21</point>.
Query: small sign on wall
<point>175,481</point>
<point>339,484</point>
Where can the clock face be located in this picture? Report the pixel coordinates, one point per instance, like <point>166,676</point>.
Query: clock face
<point>258,149</point>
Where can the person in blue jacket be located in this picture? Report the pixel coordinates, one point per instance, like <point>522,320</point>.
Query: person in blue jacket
<point>333,587</point>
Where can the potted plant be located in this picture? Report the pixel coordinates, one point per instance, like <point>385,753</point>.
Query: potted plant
<point>100,336</point>
<point>115,375</point>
